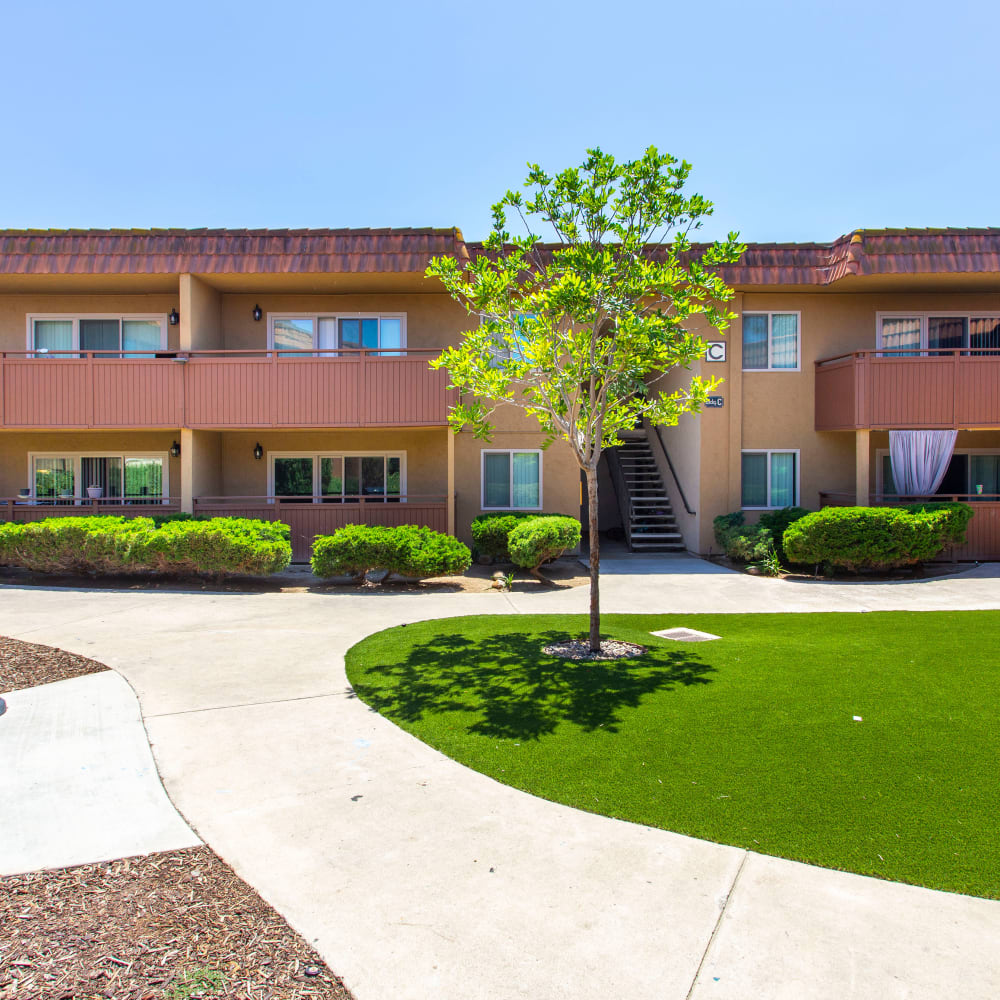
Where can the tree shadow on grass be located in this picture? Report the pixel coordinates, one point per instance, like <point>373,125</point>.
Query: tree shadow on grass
<point>512,690</point>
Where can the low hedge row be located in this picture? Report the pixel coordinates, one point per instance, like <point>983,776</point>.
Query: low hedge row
<point>876,538</point>
<point>221,546</point>
<point>357,549</point>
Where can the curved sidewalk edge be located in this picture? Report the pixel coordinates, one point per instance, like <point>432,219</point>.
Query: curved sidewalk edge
<point>78,782</point>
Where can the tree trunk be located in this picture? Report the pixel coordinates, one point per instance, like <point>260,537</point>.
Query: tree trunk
<point>595,562</point>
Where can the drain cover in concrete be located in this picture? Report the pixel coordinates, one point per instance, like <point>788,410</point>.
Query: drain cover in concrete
<point>685,635</point>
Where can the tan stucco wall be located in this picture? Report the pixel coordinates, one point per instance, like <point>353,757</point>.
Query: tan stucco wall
<point>201,315</point>
<point>560,475</point>
<point>15,309</point>
<point>15,447</point>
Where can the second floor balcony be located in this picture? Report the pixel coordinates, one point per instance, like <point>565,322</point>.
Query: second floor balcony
<point>222,389</point>
<point>909,389</point>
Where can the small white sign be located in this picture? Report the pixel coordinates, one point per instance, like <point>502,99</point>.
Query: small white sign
<point>715,350</point>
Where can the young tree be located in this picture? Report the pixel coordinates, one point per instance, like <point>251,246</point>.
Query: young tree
<point>579,331</point>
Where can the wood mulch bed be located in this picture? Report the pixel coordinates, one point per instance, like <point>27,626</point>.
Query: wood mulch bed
<point>168,926</point>
<point>25,664</point>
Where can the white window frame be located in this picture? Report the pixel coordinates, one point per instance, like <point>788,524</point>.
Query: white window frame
<point>881,454</point>
<point>924,315</point>
<point>80,489</point>
<point>317,474</point>
<point>797,313</point>
<point>510,474</point>
<point>272,317</point>
<point>75,318</point>
<point>797,500</point>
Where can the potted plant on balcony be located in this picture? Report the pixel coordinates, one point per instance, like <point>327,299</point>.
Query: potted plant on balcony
<point>95,492</point>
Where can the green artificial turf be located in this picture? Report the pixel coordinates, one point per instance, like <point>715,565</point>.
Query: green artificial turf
<point>749,740</point>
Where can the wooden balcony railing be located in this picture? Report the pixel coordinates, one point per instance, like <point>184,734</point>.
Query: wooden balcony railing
<point>222,389</point>
<point>32,509</point>
<point>900,390</point>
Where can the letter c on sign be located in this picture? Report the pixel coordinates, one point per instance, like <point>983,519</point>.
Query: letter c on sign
<point>715,351</point>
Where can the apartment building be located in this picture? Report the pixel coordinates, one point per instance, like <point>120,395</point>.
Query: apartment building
<point>833,347</point>
<point>284,374</point>
<point>268,374</point>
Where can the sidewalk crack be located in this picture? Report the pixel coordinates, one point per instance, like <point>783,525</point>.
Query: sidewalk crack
<point>718,924</point>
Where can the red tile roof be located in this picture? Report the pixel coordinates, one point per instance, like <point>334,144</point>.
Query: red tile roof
<point>373,251</point>
<point>224,251</point>
<point>861,252</point>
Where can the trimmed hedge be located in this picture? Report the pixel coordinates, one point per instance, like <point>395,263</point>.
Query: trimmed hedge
<point>874,538</point>
<point>410,551</point>
<point>221,546</point>
<point>490,531</point>
<point>958,517</point>
<point>536,541</point>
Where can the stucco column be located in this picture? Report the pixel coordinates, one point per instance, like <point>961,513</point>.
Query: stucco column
<point>201,315</point>
<point>862,468</point>
<point>733,391</point>
<point>451,481</point>
<point>201,466</point>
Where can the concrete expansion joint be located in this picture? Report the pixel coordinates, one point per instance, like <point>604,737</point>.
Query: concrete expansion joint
<point>718,924</point>
<point>250,704</point>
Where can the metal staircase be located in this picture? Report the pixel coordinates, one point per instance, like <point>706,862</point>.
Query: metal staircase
<point>647,517</point>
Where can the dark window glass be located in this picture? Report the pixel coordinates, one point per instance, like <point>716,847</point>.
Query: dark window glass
<point>754,341</point>
<point>293,477</point>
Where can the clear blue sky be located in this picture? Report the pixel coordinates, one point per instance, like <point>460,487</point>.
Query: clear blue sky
<point>802,120</point>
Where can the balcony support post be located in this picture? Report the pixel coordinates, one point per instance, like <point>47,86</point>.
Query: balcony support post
<point>862,468</point>
<point>187,470</point>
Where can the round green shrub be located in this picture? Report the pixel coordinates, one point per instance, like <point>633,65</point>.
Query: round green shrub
<point>421,552</point>
<point>875,538</point>
<point>540,539</point>
<point>490,531</point>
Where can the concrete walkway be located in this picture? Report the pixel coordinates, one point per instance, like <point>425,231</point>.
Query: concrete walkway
<point>416,877</point>
<point>78,783</point>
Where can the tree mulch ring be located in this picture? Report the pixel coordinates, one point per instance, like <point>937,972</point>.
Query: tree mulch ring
<point>579,649</point>
<point>168,926</point>
<point>25,665</point>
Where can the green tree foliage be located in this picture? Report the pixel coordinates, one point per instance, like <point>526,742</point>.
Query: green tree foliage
<point>579,332</point>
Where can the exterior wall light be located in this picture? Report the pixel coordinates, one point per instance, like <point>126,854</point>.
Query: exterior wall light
<point>258,452</point>
<point>174,318</point>
<point>175,450</point>
<point>257,314</point>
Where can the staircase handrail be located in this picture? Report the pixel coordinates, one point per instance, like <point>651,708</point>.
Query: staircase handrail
<point>673,471</point>
<point>621,490</point>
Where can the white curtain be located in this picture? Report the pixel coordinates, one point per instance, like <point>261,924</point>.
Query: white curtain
<point>920,460</point>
